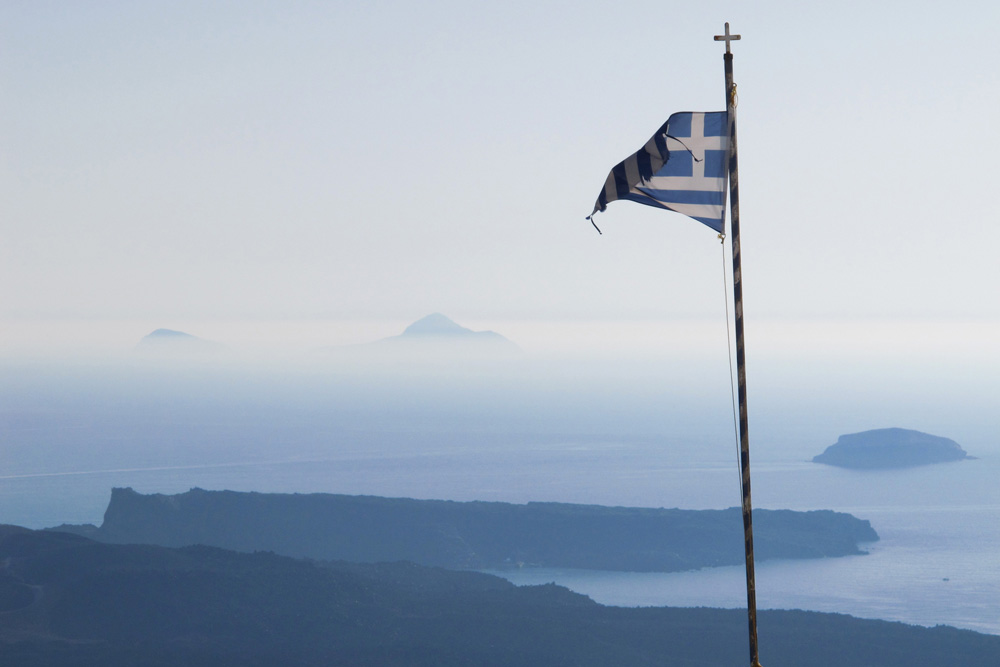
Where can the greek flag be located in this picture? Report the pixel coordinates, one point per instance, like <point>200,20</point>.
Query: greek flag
<point>681,168</point>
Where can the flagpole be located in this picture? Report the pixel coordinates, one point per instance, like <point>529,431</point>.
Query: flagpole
<point>734,216</point>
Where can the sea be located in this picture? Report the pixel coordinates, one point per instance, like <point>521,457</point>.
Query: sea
<point>67,442</point>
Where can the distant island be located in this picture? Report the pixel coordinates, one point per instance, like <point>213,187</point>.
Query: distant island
<point>886,448</point>
<point>471,535</point>
<point>433,338</point>
<point>67,600</point>
<point>171,344</point>
<point>439,326</point>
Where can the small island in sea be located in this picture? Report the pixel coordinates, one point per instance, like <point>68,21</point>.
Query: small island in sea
<point>887,448</point>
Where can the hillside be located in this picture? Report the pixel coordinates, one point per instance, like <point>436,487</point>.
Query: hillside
<point>67,600</point>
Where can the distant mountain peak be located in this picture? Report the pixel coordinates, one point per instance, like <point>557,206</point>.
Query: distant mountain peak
<point>436,324</point>
<point>434,338</point>
<point>437,337</point>
<point>168,333</point>
<point>172,343</point>
<point>438,327</point>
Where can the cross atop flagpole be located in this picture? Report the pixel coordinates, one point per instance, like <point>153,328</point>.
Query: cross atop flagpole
<point>734,220</point>
<point>727,38</point>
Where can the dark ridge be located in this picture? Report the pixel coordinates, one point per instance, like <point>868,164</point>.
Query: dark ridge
<point>68,600</point>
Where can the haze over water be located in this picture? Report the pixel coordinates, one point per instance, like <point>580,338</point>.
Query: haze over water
<point>614,430</point>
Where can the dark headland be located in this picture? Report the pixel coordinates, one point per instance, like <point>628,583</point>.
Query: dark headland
<point>67,600</point>
<point>890,448</point>
<point>472,535</point>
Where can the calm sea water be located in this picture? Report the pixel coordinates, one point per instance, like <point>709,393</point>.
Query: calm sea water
<point>936,566</point>
<point>938,560</point>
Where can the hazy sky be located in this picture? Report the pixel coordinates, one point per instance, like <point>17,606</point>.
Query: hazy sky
<point>328,161</point>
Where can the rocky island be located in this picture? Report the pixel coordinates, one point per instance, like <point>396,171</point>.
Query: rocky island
<point>471,535</point>
<point>886,448</point>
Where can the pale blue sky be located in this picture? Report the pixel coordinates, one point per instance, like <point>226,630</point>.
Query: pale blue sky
<point>293,161</point>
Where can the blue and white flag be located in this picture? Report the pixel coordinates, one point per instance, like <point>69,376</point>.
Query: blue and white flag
<point>681,168</point>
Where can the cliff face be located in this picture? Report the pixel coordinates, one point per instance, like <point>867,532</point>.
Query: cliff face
<point>890,448</point>
<point>473,535</point>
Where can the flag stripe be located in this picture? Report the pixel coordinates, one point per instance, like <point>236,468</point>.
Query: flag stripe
<point>705,197</point>
<point>621,180</point>
<point>632,170</point>
<point>645,164</point>
<point>698,212</point>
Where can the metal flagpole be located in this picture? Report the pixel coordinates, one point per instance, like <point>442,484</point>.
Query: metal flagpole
<point>734,216</point>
